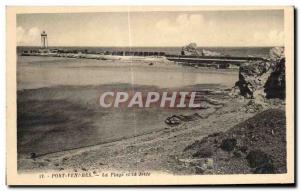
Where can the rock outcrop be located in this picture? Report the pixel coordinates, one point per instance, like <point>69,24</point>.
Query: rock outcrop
<point>252,78</point>
<point>262,79</point>
<point>191,50</point>
<point>277,53</point>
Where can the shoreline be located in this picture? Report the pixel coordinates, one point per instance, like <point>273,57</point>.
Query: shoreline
<point>166,143</point>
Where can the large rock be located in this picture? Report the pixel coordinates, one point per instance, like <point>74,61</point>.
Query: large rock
<point>252,78</point>
<point>191,50</point>
<point>262,79</point>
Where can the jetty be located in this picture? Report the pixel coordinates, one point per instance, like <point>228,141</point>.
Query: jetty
<point>189,60</point>
<point>217,61</point>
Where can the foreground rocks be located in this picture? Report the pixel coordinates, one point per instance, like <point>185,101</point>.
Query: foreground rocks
<point>262,79</point>
<point>257,145</point>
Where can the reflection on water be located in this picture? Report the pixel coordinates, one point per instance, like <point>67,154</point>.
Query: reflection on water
<point>37,72</point>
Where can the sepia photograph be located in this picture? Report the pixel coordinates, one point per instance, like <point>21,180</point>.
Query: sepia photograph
<point>150,95</point>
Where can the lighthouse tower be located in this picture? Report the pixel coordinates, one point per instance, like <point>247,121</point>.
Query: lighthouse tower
<point>44,40</point>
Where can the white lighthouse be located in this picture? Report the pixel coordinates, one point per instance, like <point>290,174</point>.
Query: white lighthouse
<point>44,40</point>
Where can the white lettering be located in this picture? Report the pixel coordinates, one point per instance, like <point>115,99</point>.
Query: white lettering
<point>136,100</point>
<point>182,99</point>
<point>120,98</point>
<point>192,100</point>
<point>165,98</point>
<point>151,98</point>
<point>102,97</point>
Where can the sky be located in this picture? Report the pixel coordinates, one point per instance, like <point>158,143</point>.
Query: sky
<point>205,28</point>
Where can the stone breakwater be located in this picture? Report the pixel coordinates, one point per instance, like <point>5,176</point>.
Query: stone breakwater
<point>190,56</point>
<point>90,55</point>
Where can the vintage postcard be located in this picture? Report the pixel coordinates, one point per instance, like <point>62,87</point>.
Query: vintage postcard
<point>150,95</point>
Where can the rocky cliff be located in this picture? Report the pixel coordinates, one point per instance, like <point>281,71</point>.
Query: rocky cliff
<point>262,79</point>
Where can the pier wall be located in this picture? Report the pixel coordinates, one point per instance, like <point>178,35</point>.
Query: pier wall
<point>196,61</point>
